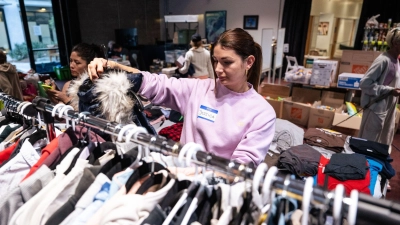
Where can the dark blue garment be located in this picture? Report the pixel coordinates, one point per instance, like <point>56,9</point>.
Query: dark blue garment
<point>88,101</point>
<point>387,169</point>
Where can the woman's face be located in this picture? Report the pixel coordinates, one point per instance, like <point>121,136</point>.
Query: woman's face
<point>77,65</point>
<point>230,68</point>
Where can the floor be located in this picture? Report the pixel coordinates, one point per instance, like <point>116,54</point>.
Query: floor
<point>394,194</point>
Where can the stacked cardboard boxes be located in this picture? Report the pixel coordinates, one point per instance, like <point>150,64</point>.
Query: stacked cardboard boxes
<point>272,92</point>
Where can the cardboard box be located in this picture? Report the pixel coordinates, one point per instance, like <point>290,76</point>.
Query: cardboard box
<point>272,92</point>
<point>352,123</point>
<point>323,72</point>
<point>323,118</point>
<point>349,80</point>
<point>355,61</point>
<point>296,108</point>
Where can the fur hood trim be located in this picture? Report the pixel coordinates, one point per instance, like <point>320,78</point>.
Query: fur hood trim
<point>111,91</point>
<point>73,90</point>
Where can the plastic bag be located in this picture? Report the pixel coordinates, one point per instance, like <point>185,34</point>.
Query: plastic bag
<point>372,22</point>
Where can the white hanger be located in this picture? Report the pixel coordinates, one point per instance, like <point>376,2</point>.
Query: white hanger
<point>54,111</point>
<point>123,130</point>
<point>134,132</point>
<point>266,189</point>
<point>63,112</point>
<point>182,153</point>
<point>258,176</point>
<point>307,195</point>
<point>337,204</point>
<point>352,213</point>
<point>183,198</point>
<point>191,154</point>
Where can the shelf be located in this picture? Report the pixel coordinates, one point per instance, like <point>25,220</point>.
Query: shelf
<point>181,18</point>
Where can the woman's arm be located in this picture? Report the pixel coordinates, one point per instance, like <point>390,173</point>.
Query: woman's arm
<point>185,67</point>
<point>96,67</point>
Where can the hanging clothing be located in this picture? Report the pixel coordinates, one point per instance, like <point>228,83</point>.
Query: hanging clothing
<point>17,197</point>
<point>15,169</point>
<point>9,81</point>
<point>111,98</point>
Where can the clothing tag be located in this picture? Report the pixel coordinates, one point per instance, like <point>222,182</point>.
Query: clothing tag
<point>207,113</point>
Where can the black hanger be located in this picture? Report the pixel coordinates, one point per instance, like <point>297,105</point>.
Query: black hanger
<point>118,164</point>
<point>144,170</point>
<point>38,135</point>
<point>151,181</point>
<point>99,151</point>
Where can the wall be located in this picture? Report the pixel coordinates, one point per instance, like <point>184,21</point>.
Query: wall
<point>349,9</point>
<point>99,18</point>
<point>268,11</point>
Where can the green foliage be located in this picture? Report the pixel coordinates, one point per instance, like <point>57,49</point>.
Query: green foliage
<point>20,51</point>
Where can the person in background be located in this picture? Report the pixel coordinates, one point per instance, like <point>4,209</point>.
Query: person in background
<point>381,79</point>
<point>82,54</point>
<point>119,52</point>
<point>199,57</point>
<point>9,80</point>
<point>215,109</point>
<point>110,51</point>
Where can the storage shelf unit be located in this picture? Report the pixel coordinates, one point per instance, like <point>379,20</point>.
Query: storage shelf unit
<point>187,19</point>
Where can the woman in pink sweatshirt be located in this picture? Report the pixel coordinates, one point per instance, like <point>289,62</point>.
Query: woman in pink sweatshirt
<point>226,115</point>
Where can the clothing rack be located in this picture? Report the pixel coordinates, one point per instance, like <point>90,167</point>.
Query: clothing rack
<point>369,209</point>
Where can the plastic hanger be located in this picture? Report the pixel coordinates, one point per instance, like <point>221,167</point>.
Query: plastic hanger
<point>182,153</point>
<point>191,154</point>
<point>134,132</point>
<point>64,112</point>
<point>55,108</point>
<point>352,213</point>
<point>307,195</point>
<point>193,186</point>
<point>267,191</point>
<point>258,176</point>
<point>337,204</point>
<point>123,130</point>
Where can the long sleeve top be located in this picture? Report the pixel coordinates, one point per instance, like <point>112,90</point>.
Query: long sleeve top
<point>237,126</point>
<point>372,83</point>
<point>200,58</point>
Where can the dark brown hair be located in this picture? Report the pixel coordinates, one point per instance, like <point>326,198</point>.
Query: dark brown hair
<point>243,44</point>
<point>88,51</point>
<point>3,57</point>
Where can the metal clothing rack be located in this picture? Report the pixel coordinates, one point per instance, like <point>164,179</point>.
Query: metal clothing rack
<point>370,210</point>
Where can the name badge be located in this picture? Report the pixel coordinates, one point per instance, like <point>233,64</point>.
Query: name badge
<point>207,113</point>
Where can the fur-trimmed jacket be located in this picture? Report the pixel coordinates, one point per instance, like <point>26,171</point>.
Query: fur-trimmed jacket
<point>112,97</point>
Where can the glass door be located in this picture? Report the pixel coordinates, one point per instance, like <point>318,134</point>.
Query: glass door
<point>42,35</point>
<point>28,35</point>
<point>12,38</point>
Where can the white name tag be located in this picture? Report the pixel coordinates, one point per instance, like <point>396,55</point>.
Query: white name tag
<point>207,113</point>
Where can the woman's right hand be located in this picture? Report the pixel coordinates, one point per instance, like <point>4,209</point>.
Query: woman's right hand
<point>96,67</point>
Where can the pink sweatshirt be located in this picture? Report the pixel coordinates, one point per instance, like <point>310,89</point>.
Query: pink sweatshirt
<point>237,126</point>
